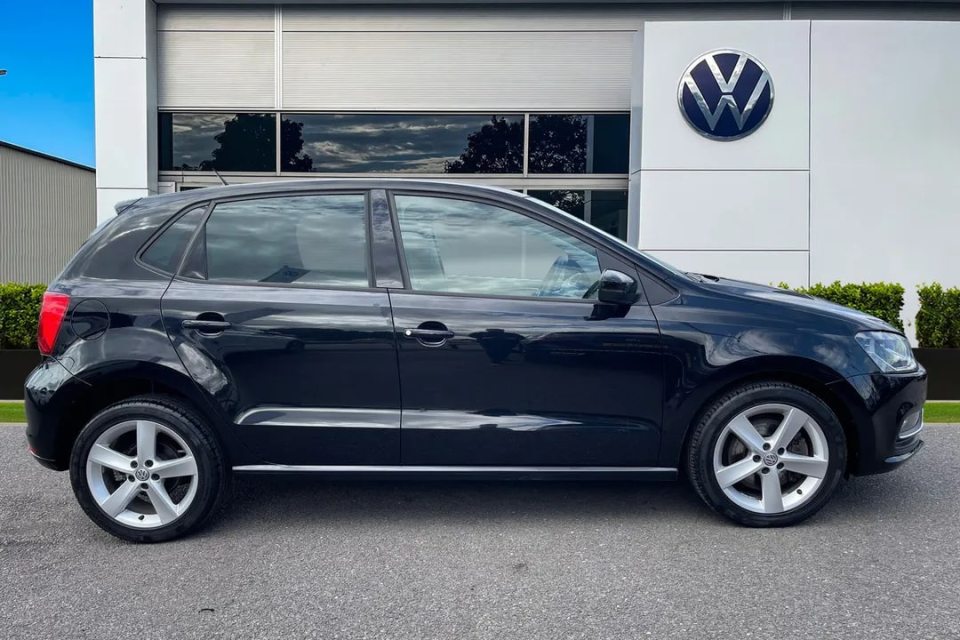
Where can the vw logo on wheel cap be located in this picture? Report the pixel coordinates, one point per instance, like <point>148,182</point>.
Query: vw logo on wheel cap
<point>141,474</point>
<point>725,94</point>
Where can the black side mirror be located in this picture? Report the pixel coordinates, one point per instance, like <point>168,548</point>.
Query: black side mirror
<point>617,288</point>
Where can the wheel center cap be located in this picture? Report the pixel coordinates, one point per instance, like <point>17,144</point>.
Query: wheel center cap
<point>770,459</point>
<point>141,474</point>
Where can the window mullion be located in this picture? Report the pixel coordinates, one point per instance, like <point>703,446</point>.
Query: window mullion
<point>279,129</point>
<point>526,144</point>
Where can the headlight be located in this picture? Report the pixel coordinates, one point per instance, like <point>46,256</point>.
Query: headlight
<point>890,351</point>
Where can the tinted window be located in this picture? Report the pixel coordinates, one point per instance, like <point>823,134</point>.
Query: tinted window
<point>469,247</point>
<point>221,141</point>
<point>165,252</point>
<point>604,209</point>
<point>567,143</point>
<point>360,143</point>
<point>317,239</point>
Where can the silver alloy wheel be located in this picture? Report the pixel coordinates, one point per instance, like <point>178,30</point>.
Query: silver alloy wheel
<point>771,458</point>
<point>142,474</point>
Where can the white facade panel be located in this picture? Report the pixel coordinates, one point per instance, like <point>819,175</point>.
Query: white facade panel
<point>765,267</point>
<point>215,18</point>
<point>783,140</point>
<point>111,42</point>
<point>126,108</point>
<point>724,210</point>
<point>216,70</point>
<point>885,153</point>
<point>457,71</point>
<point>122,123</point>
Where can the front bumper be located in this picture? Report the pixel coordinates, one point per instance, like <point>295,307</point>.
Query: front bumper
<point>886,411</point>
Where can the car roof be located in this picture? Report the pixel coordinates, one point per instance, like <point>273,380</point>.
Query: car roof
<point>184,198</point>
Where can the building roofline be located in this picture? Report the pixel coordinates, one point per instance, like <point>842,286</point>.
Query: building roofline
<point>502,2</point>
<point>47,156</point>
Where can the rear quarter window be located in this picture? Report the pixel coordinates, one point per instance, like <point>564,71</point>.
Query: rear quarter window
<point>165,252</point>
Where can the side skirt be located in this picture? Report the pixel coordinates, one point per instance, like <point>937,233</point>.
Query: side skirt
<point>542,473</point>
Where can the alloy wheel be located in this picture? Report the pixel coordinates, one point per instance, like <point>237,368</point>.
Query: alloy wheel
<point>142,474</point>
<point>771,458</point>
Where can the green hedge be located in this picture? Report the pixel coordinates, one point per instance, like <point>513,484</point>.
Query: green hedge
<point>938,321</point>
<point>881,299</point>
<point>19,311</point>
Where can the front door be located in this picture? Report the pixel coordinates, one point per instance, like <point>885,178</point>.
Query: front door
<point>506,358</point>
<point>275,315</point>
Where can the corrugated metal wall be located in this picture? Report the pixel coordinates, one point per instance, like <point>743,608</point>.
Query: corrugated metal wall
<point>47,209</point>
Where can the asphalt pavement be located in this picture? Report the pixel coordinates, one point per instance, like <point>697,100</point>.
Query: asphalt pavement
<point>303,557</point>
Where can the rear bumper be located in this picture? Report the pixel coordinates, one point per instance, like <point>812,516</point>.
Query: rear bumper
<point>887,413</point>
<point>49,392</point>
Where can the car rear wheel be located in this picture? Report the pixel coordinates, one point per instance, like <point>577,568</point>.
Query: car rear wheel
<point>148,470</point>
<point>767,454</point>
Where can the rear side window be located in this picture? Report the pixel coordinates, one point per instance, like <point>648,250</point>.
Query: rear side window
<point>312,240</point>
<point>165,252</point>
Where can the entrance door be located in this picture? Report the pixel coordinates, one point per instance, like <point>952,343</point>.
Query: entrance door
<point>274,315</point>
<point>506,358</point>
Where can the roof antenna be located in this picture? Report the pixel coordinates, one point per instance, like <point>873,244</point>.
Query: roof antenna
<point>222,181</point>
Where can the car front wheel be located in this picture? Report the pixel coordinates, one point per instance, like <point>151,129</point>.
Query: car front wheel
<point>767,454</point>
<point>148,470</point>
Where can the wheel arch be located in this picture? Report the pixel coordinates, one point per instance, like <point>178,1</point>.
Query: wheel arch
<point>804,373</point>
<point>99,387</point>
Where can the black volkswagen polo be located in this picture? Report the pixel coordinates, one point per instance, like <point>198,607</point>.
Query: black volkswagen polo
<point>399,327</point>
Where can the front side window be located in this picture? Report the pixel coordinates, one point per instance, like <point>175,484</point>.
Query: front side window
<point>461,246</point>
<point>311,240</point>
<point>604,209</point>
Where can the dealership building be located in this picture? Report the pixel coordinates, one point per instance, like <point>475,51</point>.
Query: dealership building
<point>793,142</point>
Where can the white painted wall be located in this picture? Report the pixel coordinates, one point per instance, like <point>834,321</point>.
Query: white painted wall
<point>853,176</point>
<point>885,153</point>
<point>733,208</point>
<point>124,50</point>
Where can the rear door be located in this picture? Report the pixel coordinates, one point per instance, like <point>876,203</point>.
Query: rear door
<point>276,314</point>
<point>506,358</point>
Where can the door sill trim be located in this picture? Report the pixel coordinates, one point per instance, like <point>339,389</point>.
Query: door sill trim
<point>666,473</point>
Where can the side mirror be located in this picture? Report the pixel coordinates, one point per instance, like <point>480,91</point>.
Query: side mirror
<point>617,288</point>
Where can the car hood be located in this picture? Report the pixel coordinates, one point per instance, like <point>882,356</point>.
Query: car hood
<point>797,301</point>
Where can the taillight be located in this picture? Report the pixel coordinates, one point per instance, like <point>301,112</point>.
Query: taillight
<point>52,312</point>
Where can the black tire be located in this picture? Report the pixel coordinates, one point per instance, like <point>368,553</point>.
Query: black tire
<point>212,470</point>
<point>700,451</point>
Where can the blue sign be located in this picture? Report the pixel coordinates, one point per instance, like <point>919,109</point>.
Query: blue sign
<point>725,94</point>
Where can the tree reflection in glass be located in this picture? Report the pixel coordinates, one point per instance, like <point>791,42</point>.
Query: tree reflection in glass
<point>394,143</point>
<point>225,142</point>
<point>576,143</point>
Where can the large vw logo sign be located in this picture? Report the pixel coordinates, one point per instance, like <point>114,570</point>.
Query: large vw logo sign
<point>725,94</point>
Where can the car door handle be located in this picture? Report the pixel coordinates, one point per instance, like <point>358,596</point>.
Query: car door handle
<point>430,337</point>
<point>208,325</point>
<point>430,334</point>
